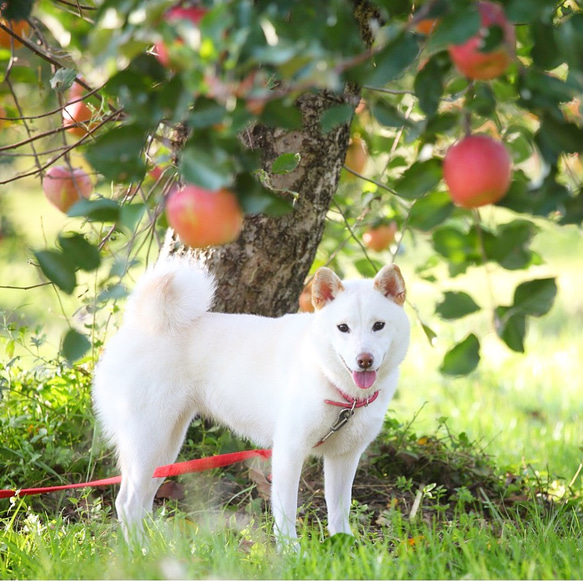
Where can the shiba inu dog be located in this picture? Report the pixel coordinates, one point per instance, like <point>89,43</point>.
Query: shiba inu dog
<point>302,384</point>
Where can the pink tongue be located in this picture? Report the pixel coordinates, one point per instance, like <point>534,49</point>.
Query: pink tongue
<point>364,379</point>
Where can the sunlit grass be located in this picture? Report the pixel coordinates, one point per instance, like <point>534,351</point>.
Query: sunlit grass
<point>524,408</point>
<point>540,546</point>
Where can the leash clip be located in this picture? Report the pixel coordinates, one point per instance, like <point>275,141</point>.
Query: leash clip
<point>342,419</point>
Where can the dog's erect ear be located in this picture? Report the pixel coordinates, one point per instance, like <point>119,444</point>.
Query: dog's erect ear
<point>325,288</point>
<point>390,282</point>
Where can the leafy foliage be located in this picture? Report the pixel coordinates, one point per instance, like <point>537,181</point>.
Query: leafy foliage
<point>247,62</point>
<point>44,422</point>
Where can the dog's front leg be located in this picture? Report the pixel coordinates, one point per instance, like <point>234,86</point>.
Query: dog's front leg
<point>286,468</point>
<point>339,474</point>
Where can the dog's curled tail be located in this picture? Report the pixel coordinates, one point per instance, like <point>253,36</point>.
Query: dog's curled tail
<point>170,296</point>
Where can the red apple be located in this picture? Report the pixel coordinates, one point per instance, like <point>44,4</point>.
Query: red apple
<point>64,186</point>
<point>203,217</point>
<point>156,173</point>
<point>473,63</point>
<point>356,155</point>
<point>164,53</point>
<point>255,106</point>
<point>380,237</point>
<point>77,115</point>
<point>426,26</point>
<point>477,171</point>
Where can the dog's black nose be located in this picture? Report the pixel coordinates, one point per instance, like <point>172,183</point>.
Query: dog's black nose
<point>365,360</point>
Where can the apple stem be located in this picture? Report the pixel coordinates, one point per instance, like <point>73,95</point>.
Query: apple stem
<point>467,119</point>
<point>467,123</point>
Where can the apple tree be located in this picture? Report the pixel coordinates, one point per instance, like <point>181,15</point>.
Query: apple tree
<point>328,122</point>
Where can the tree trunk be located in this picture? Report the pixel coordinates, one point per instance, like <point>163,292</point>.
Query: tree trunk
<point>264,270</point>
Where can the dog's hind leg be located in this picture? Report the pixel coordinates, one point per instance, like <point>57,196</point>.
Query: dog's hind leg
<point>140,452</point>
<point>339,474</point>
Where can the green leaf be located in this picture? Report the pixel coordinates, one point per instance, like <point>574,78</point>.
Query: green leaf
<point>429,333</point>
<point>463,358</point>
<point>206,113</point>
<point>511,328</point>
<point>16,9</point>
<point>130,215</point>
<point>208,167</point>
<point>368,268</point>
<point>510,244</point>
<point>535,297</point>
<point>557,136</point>
<point>443,123</point>
<point>117,291</point>
<point>428,87</point>
<point>518,140</point>
<point>525,11</point>
<point>285,163</point>
<point>79,251</point>
<point>255,199</point>
<point>430,211</point>
<point>117,154</point>
<point>454,244</point>
<point>542,93</point>
<point>546,52</point>
<point>74,346</point>
<point>570,39</point>
<point>98,210</point>
<point>457,27</point>
<point>492,39</point>
<point>58,269</point>
<point>420,178</point>
<point>337,115</point>
<point>483,101</point>
<point>393,59</point>
<point>388,115</point>
<point>279,113</point>
<point>63,79</point>
<point>456,305</point>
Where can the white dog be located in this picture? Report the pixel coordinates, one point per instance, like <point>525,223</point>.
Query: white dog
<point>302,384</point>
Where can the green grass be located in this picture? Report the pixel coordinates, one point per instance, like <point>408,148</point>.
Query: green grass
<point>540,546</point>
<point>524,408</point>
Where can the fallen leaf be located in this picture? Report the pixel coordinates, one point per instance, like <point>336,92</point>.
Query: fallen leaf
<point>171,490</point>
<point>262,483</point>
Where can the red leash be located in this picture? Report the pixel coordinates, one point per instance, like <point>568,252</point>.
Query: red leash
<point>198,465</point>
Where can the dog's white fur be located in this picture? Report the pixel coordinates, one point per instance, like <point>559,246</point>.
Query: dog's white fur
<point>264,378</point>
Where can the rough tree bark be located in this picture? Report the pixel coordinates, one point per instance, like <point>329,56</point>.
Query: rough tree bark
<point>263,272</point>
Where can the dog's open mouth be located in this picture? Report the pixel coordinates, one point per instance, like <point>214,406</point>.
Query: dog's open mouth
<point>364,379</point>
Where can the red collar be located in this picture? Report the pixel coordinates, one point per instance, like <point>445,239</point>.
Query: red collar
<point>350,402</point>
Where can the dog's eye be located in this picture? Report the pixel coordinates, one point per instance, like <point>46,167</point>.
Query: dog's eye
<point>378,326</point>
<point>344,328</point>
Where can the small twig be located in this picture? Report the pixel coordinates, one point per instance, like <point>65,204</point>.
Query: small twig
<point>26,126</point>
<point>63,153</point>
<point>79,7</point>
<point>25,288</point>
<point>389,91</point>
<point>379,184</point>
<point>353,235</point>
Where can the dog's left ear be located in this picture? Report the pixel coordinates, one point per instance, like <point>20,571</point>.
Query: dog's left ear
<point>390,282</point>
<point>325,287</point>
